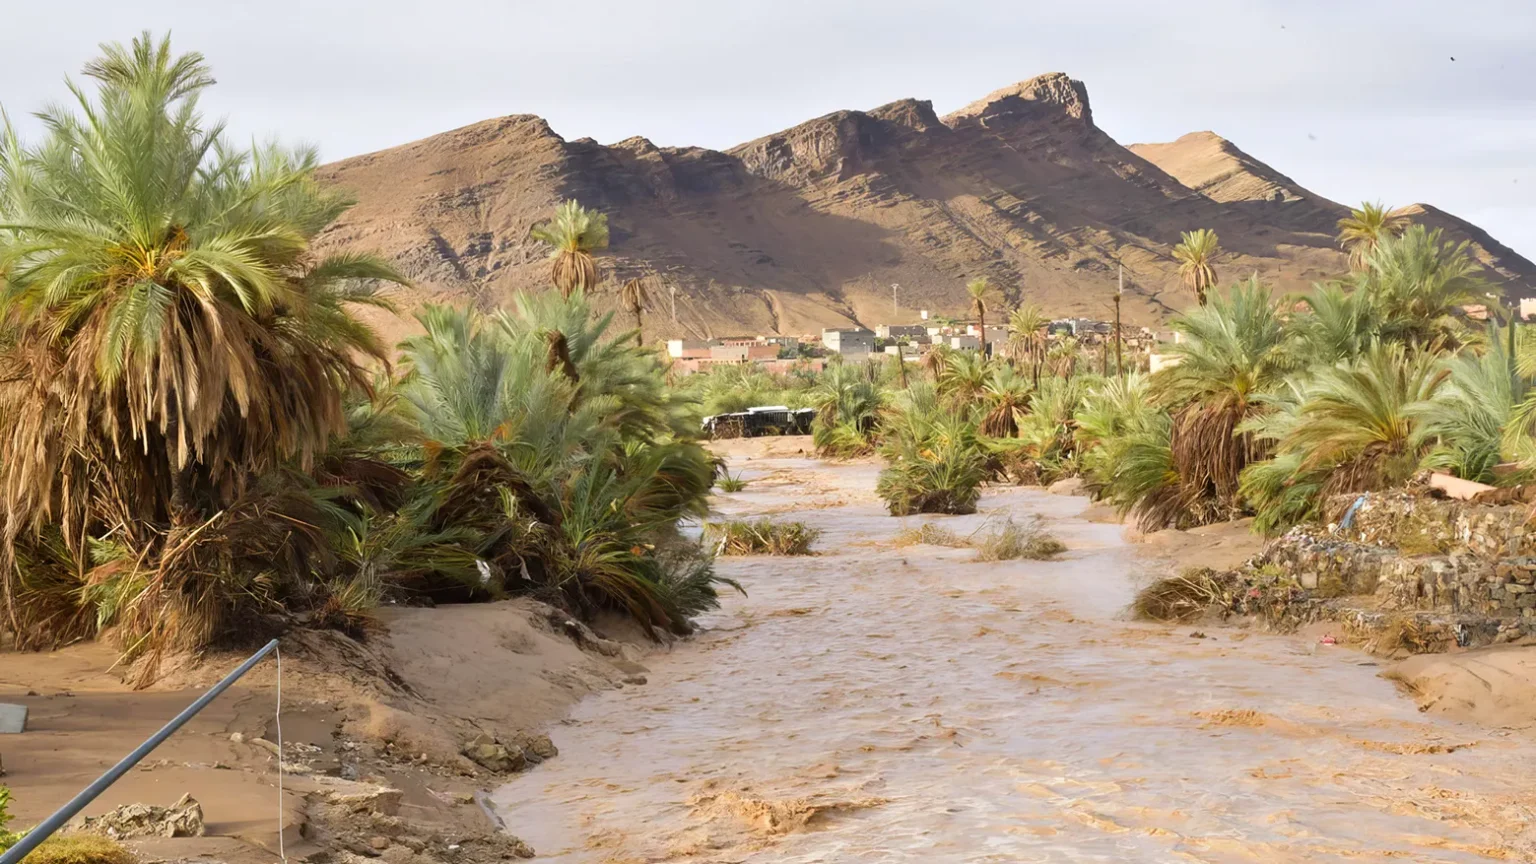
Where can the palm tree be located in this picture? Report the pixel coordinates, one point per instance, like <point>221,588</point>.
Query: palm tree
<point>1235,351</point>
<point>978,290</point>
<point>936,361</point>
<point>1062,357</point>
<point>846,404</point>
<point>634,296</point>
<point>573,235</point>
<point>1364,228</point>
<point>1338,324</point>
<point>1027,339</point>
<point>1195,253</point>
<point>964,378</point>
<point>1007,399</point>
<point>1361,422</point>
<point>1476,416</point>
<point>573,493</point>
<point>170,288</point>
<point>1417,283</point>
<point>172,338</point>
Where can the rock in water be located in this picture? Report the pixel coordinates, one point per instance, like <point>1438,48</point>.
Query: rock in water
<point>492,755</point>
<point>1068,486</point>
<point>182,819</point>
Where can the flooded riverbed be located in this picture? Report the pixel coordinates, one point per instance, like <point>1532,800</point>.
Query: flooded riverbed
<point>876,704</point>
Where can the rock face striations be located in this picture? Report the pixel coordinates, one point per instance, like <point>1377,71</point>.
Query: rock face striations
<point>810,227</point>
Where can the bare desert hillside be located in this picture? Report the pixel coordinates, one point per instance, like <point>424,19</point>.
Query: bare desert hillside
<point>811,226</point>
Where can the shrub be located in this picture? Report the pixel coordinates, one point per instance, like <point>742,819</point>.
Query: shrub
<point>935,465</point>
<point>7,839</point>
<point>1008,540</point>
<point>727,483</point>
<point>761,537</point>
<point>80,849</point>
<point>687,582</point>
<point>929,534</point>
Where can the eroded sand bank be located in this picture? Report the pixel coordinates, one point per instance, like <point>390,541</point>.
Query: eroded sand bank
<point>876,704</point>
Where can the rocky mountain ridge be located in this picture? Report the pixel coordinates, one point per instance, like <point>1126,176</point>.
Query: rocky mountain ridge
<point>811,227</point>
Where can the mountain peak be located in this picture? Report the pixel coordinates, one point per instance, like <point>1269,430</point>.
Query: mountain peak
<point>1220,170</point>
<point>1055,91</point>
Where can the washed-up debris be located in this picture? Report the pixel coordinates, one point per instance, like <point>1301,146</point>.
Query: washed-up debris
<point>13,718</point>
<point>182,819</point>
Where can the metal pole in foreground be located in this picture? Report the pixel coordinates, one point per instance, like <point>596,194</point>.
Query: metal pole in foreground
<point>48,826</point>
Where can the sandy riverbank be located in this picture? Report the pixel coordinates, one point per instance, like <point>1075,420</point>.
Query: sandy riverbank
<point>392,712</point>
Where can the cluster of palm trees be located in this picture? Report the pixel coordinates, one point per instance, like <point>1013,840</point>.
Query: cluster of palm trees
<point>1275,405</point>
<point>1268,405</point>
<point>202,440</point>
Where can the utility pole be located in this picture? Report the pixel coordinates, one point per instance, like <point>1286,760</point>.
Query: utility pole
<point>894,286</point>
<point>1119,289</point>
<point>1514,319</point>
<point>673,290</point>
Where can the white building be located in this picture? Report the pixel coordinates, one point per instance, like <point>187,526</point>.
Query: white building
<point>851,341</point>
<point>900,331</point>
<point>679,349</point>
<point>997,334</point>
<point>964,342</point>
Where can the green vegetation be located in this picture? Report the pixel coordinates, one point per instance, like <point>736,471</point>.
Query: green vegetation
<point>1008,540</point>
<point>1275,405</point>
<point>1265,405</point>
<point>572,236</point>
<point>80,849</point>
<point>935,463</point>
<point>727,483</point>
<point>1195,253</point>
<point>996,540</point>
<point>205,445</point>
<point>761,537</point>
<point>929,534</point>
<point>7,837</point>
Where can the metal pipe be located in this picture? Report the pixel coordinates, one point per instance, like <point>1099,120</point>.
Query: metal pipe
<point>53,823</point>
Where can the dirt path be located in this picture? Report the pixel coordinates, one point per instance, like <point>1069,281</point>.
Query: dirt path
<point>876,704</point>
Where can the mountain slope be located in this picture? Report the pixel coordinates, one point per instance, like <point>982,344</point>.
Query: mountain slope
<point>811,226</point>
<point>1217,169</point>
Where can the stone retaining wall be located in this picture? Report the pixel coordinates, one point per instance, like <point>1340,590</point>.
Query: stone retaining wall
<point>1328,566</point>
<point>1430,524</point>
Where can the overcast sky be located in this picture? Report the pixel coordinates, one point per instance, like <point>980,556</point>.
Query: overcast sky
<point>1354,99</point>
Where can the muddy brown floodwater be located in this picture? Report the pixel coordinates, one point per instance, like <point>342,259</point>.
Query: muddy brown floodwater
<point>875,704</point>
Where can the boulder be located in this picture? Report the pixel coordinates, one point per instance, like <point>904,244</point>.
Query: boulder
<point>360,797</point>
<point>493,755</point>
<point>1067,486</point>
<point>541,746</point>
<point>182,819</point>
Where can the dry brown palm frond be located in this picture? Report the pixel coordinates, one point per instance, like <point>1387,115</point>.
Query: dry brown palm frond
<point>558,356</point>
<point>573,233</point>
<point>574,271</point>
<point>1183,597</point>
<point>474,492</point>
<point>635,296</point>
<point>1209,455</point>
